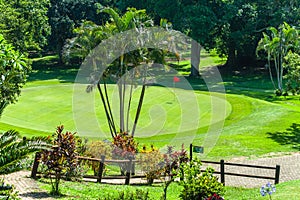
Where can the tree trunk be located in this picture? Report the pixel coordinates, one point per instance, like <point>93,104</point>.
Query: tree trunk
<point>232,58</point>
<point>195,59</point>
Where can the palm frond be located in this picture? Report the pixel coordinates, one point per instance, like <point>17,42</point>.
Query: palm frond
<point>8,137</point>
<point>15,149</point>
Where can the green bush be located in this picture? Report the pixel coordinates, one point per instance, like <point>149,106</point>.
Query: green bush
<point>149,161</point>
<point>96,149</point>
<point>198,185</point>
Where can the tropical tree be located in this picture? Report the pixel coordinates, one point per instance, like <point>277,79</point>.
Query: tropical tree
<point>24,23</point>
<point>14,150</point>
<point>124,68</point>
<point>277,44</point>
<point>14,68</point>
<point>197,19</point>
<point>292,66</point>
<point>65,16</point>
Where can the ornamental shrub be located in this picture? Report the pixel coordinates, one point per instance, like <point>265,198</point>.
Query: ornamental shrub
<point>198,185</point>
<point>96,149</point>
<point>150,163</point>
<point>61,159</point>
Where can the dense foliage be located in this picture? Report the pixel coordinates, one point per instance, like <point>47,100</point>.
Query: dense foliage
<point>197,184</point>
<point>277,43</point>
<point>65,16</point>
<point>15,150</point>
<point>13,71</point>
<point>233,27</point>
<point>24,23</point>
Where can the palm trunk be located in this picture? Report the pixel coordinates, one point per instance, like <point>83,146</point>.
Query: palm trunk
<point>109,109</point>
<point>270,70</point>
<point>108,117</point>
<point>138,109</point>
<point>121,95</point>
<point>129,105</point>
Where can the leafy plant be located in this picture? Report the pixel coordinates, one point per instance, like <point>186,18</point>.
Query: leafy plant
<point>197,184</point>
<point>13,70</point>
<point>61,159</point>
<point>8,191</point>
<point>124,147</point>
<point>96,149</point>
<point>150,161</point>
<point>277,44</point>
<point>215,197</point>
<point>14,150</point>
<point>292,65</point>
<point>172,162</point>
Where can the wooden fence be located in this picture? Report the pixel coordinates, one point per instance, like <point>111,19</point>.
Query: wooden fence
<point>222,171</point>
<point>131,163</point>
<point>102,161</point>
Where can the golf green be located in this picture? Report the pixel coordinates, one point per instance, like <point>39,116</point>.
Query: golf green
<point>164,111</point>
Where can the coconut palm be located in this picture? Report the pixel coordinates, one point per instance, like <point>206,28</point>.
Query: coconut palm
<point>14,150</point>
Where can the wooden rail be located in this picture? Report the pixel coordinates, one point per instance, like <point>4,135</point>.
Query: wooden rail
<point>222,172</point>
<point>102,161</point>
<point>131,163</point>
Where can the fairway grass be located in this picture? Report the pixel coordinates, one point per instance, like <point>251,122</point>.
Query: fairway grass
<point>165,110</point>
<point>245,131</point>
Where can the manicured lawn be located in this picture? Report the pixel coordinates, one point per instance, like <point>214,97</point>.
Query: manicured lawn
<point>84,190</point>
<point>165,110</point>
<point>250,124</point>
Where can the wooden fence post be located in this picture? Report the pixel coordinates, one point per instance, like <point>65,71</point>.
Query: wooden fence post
<point>127,180</point>
<point>101,168</point>
<point>277,173</point>
<point>35,165</point>
<point>191,152</point>
<point>222,171</point>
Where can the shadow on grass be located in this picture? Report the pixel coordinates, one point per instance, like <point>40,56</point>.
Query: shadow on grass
<point>36,195</point>
<point>290,136</point>
<point>49,68</point>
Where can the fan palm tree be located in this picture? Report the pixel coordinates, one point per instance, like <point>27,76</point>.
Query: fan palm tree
<point>13,150</point>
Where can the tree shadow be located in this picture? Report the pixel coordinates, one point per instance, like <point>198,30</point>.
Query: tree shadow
<point>51,68</point>
<point>291,136</point>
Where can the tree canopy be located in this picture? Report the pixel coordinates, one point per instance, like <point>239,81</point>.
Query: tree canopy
<point>24,23</point>
<point>14,68</point>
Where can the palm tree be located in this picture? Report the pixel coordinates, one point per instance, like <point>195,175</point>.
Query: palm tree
<point>277,45</point>
<point>14,150</point>
<point>125,69</point>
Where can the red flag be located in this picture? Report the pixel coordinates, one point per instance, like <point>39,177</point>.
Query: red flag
<point>176,79</point>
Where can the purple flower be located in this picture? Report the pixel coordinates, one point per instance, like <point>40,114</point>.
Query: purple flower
<point>267,189</point>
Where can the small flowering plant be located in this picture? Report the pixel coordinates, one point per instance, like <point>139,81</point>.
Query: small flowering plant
<point>268,189</point>
<point>215,197</point>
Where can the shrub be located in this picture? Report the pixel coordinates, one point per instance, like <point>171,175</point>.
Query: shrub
<point>96,149</point>
<point>61,160</point>
<point>150,163</point>
<point>172,162</point>
<point>124,147</point>
<point>198,185</point>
